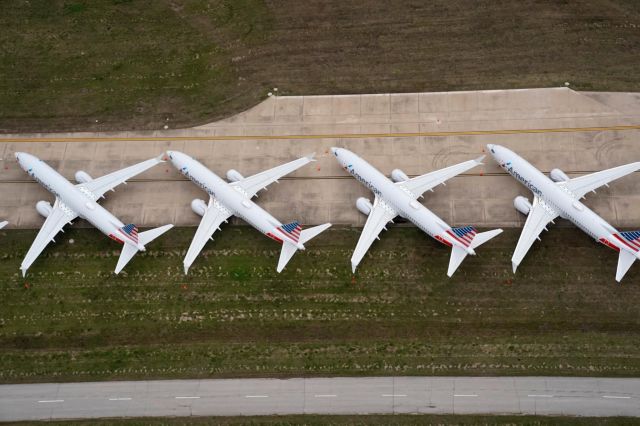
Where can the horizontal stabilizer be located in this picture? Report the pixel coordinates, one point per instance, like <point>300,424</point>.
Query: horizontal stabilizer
<point>310,233</point>
<point>288,250</point>
<point>127,253</point>
<point>457,256</point>
<point>625,260</point>
<point>483,237</point>
<point>150,235</point>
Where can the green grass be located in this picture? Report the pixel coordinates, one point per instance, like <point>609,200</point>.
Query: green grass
<point>71,319</point>
<point>396,419</point>
<point>145,63</point>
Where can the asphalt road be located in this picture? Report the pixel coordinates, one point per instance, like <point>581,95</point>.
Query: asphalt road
<point>383,395</point>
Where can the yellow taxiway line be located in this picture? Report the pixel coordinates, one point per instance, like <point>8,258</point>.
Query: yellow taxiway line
<point>320,136</point>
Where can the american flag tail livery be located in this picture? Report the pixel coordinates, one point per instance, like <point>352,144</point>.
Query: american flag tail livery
<point>470,239</point>
<point>132,231</point>
<point>463,235</point>
<point>292,230</point>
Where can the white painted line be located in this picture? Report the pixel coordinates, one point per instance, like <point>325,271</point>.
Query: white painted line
<point>394,394</point>
<point>616,397</point>
<point>256,396</point>
<point>119,399</point>
<point>52,400</point>
<point>187,397</point>
<point>325,396</point>
<point>540,396</point>
<point>471,395</point>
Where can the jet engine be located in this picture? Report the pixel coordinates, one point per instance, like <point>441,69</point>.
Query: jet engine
<point>83,177</point>
<point>399,176</point>
<point>234,176</point>
<point>522,205</point>
<point>199,207</point>
<point>558,175</point>
<point>44,208</point>
<point>364,205</point>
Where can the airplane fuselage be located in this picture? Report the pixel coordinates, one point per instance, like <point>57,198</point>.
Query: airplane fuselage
<point>74,198</point>
<point>231,198</point>
<point>398,198</point>
<point>559,198</point>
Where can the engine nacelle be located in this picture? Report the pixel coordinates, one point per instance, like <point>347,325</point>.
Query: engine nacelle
<point>399,176</point>
<point>234,176</point>
<point>83,177</point>
<point>44,208</point>
<point>199,207</point>
<point>558,175</point>
<point>522,205</point>
<point>364,205</point>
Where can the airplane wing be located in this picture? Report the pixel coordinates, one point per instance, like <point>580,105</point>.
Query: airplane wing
<point>419,185</point>
<point>3,224</point>
<point>583,184</point>
<point>213,217</point>
<point>60,215</point>
<point>379,216</point>
<point>97,187</point>
<point>252,184</point>
<point>537,220</point>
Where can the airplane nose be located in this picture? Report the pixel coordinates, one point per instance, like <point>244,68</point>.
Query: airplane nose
<point>334,150</point>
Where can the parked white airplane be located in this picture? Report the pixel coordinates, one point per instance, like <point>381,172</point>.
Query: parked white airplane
<point>234,199</point>
<point>399,198</point>
<point>3,224</point>
<point>80,200</point>
<point>560,196</point>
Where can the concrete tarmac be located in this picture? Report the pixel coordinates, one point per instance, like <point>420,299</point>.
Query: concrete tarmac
<point>578,132</point>
<point>567,396</point>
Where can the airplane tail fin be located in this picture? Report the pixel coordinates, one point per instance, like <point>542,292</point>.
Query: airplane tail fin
<point>625,260</point>
<point>469,237</point>
<point>130,250</point>
<point>292,229</point>
<point>288,249</point>
<point>131,230</point>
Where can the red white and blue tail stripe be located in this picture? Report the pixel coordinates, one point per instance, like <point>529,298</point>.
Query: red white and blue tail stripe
<point>292,230</point>
<point>630,239</point>
<point>132,231</point>
<point>463,235</point>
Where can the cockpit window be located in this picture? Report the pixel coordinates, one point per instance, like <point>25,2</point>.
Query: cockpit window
<point>492,151</point>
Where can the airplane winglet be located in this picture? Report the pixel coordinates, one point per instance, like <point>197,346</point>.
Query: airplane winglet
<point>479,159</point>
<point>186,269</point>
<point>353,267</point>
<point>514,265</point>
<point>24,272</point>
